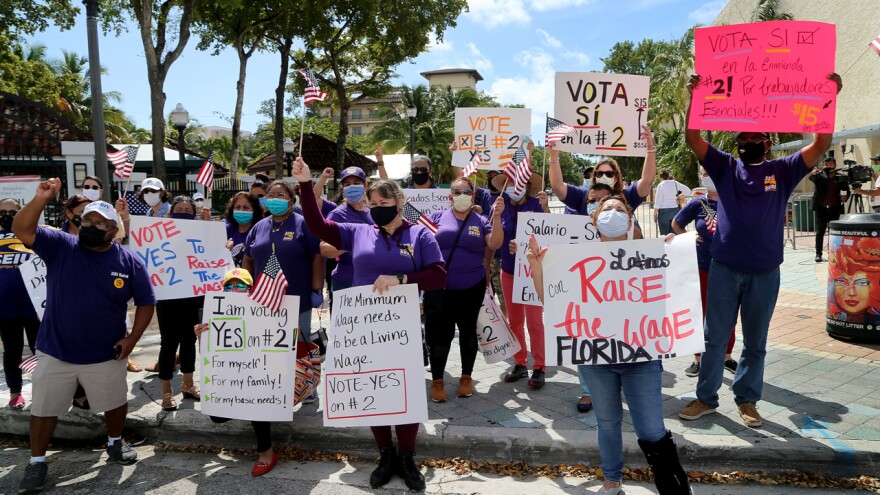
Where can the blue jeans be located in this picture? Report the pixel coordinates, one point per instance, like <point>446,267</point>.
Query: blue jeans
<point>754,296</point>
<point>641,386</point>
<point>305,324</point>
<point>585,389</point>
<point>664,219</point>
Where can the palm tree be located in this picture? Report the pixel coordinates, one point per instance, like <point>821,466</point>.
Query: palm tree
<point>768,10</point>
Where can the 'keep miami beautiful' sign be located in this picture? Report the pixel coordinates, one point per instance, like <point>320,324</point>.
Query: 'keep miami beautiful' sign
<point>373,374</point>
<point>622,302</point>
<point>185,258</point>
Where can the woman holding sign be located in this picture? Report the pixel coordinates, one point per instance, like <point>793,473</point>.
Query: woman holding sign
<point>391,252</point>
<point>463,235</point>
<point>640,383</point>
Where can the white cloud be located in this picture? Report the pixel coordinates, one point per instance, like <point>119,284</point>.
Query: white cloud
<point>581,59</point>
<point>436,46</point>
<point>548,39</point>
<point>534,91</point>
<point>707,12</point>
<point>544,5</point>
<point>492,13</point>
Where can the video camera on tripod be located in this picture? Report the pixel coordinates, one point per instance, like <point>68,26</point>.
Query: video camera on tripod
<point>854,175</point>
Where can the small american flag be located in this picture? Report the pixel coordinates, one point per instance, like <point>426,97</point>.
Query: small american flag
<point>313,92</point>
<point>471,168</point>
<point>29,364</point>
<point>206,174</point>
<point>875,45</point>
<point>413,214</point>
<point>271,285</point>
<point>135,206</point>
<point>519,170</point>
<point>123,160</point>
<point>710,213</point>
<point>556,130</point>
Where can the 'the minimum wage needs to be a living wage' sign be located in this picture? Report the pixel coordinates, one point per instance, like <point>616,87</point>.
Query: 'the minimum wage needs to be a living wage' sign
<point>185,258</point>
<point>248,357</point>
<point>622,302</point>
<point>606,110</point>
<point>493,133</point>
<point>373,374</point>
<point>765,76</point>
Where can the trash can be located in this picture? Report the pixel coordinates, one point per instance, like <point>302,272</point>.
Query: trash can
<point>853,296</point>
<point>804,221</point>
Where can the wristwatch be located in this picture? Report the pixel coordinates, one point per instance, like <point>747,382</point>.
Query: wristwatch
<point>400,278</point>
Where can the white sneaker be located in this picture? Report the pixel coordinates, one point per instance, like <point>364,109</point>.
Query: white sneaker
<point>618,490</point>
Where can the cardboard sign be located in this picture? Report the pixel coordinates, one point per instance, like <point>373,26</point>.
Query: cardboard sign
<point>21,188</point>
<point>497,342</point>
<point>492,133</point>
<point>428,200</point>
<point>33,273</point>
<point>185,258</point>
<point>549,229</point>
<point>765,76</point>
<point>606,110</point>
<point>373,374</point>
<point>247,357</point>
<point>622,302</point>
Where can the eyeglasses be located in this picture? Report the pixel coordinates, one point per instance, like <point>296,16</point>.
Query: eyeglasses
<point>606,173</point>
<point>100,224</point>
<point>466,192</point>
<point>261,195</point>
<point>844,283</point>
<point>178,199</point>
<point>95,187</point>
<point>10,213</point>
<point>420,170</point>
<point>237,286</point>
<point>278,196</point>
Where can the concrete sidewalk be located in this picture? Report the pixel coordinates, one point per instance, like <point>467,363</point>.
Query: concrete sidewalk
<point>821,406</point>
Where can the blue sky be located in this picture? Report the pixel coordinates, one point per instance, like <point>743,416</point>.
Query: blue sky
<point>516,45</point>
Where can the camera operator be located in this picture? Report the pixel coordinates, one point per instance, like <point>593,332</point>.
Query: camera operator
<point>827,201</point>
<point>875,194</point>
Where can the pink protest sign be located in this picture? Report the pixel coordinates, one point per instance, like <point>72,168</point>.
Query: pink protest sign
<point>765,76</point>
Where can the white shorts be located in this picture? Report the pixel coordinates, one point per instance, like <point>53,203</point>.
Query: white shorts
<point>54,383</point>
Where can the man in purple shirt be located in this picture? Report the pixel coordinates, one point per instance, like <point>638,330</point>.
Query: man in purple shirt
<point>746,253</point>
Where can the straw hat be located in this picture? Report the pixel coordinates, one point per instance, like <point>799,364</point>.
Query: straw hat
<point>536,184</point>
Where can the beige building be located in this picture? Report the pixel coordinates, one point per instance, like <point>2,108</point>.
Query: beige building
<point>213,131</point>
<point>363,116</point>
<point>857,126</point>
<point>454,78</point>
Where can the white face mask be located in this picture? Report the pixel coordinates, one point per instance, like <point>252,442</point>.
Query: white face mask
<point>93,194</point>
<point>708,184</point>
<point>199,203</point>
<point>461,203</point>
<point>152,199</point>
<point>608,181</point>
<point>513,196</point>
<point>612,223</point>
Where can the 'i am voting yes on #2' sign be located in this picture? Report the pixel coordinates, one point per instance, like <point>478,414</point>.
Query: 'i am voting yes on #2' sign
<point>373,374</point>
<point>248,356</point>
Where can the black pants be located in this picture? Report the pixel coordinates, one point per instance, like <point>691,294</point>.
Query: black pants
<point>12,331</point>
<point>823,216</point>
<point>263,429</point>
<point>177,317</point>
<point>444,309</point>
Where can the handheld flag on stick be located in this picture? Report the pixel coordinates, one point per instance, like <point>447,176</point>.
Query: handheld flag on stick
<point>206,174</point>
<point>313,91</point>
<point>519,170</point>
<point>556,130</point>
<point>413,214</point>
<point>471,168</point>
<point>123,160</point>
<point>271,285</point>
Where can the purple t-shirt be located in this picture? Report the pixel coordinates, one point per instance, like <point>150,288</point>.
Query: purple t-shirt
<point>702,212</point>
<point>346,214</point>
<point>576,197</point>
<point>294,246</point>
<point>468,259</point>
<point>751,208</point>
<point>376,253</point>
<point>87,295</point>
<point>238,240</point>
<point>508,225</point>
<point>16,302</point>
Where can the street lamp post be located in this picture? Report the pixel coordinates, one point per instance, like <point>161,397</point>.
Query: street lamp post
<point>180,119</point>
<point>411,112</point>
<point>289,147</point>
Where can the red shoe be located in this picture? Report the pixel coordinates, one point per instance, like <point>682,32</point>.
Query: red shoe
<point>261,468</point>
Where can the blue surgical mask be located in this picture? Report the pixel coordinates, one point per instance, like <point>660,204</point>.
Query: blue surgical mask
<point>591,207</point>
<point>353,193</point>
<point>243,217</point>
<point>612,223</point>
<point>263,201</point>
<point>277,206</point>
<point>513,196</point>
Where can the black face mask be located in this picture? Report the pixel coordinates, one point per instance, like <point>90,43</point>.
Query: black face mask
<point>420,178</point>
<point>6,223</point>
<point>92,237</point>
<point>383,215</point>
<point>828,170</point>
<point>751,152</point>
<point>76,220</point>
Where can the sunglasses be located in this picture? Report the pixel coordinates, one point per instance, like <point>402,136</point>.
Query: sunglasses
<point>11,213</point>
<point>607,173</point>
<point>466,192</point>
<point>95,187</point>
<point>178,199</point>
<point>420,170</point>
<point>237,286</point>
<point>100,224</point>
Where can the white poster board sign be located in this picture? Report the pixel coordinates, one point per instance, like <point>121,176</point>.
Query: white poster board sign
<point>549,229</point>
<point>428,201</point>
<point>184,258</point>
<point>622,302</point>
<point>493,133</point>
<point>247,357</point>
<point>373,374</point>
<point>33,273</point>
<point>607,111</point>
<point>497,342</point>
<point>21,188</point>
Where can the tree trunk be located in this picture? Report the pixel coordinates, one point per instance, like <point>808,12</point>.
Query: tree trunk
<point>284,49</point>
<point>344,106</point>
<point>236,116</point>
<point>157,108</point>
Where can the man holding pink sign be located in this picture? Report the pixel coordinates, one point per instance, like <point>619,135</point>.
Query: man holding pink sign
<point>747,248</point>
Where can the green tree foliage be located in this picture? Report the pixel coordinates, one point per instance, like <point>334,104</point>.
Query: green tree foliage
<point>21,17</point>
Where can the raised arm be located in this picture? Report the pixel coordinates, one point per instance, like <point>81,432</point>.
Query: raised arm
<point>812,152</point>
<point>649,168</point>
<point>380,163</point>
<point>326,230</point>
<point>535,256</point>
<point>496,237</point>
<point>25,224</point>
<point>556,180</point>
<point>319,186</point>
<point>692,137</point>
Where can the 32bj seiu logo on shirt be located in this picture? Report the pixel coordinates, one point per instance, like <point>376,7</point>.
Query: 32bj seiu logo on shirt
<point>770,183</point>
<point>406,250</point>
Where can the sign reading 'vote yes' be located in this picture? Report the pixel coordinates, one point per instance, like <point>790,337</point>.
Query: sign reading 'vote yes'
<point>493,134</point>
<point>185,258</point>
<point>765,76</point>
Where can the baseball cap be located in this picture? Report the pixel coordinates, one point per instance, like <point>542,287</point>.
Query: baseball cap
<point>197,196</point>
<point>876,157</point>
<point>102,208</point>
<point>736,134</point>
<point>238,274</point>
<point>353,172</point>
<point>152,183</point>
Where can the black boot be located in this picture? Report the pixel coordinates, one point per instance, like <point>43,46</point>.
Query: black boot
<point>669,476</point>
<point>388,463</point>
<point>410,472</point>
